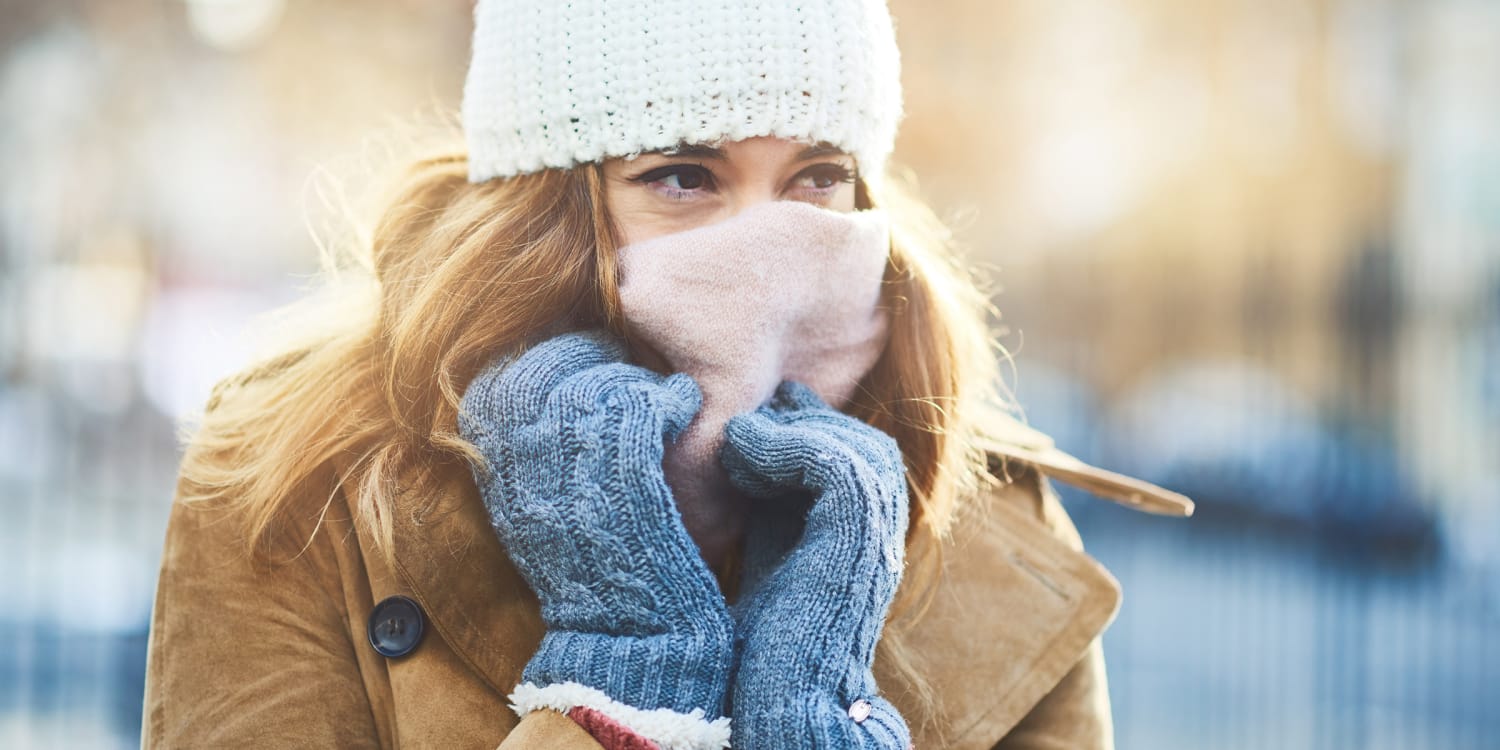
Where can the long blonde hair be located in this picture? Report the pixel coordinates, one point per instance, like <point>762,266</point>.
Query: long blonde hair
<point>452,273</point>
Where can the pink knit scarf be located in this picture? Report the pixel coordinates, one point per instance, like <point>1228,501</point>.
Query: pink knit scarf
<point>781,290</point>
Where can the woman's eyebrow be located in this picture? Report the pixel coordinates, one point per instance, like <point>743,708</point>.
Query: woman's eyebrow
<point>820,150</point>
<point>702,151</point>
<point>695,150</point>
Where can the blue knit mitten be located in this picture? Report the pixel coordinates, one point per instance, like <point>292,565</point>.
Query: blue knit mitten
<point>807,625</point>
<point>573,437</point>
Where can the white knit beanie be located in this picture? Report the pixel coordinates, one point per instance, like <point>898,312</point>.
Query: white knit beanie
<point>555,83</point>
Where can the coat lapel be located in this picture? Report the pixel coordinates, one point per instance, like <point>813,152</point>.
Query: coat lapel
<point>1015,610</point>
<point>448,555</point>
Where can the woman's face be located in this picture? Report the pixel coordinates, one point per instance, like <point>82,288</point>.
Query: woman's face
<point>663,192</point>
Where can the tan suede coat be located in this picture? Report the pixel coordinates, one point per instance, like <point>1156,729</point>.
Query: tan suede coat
<point>280,658</point>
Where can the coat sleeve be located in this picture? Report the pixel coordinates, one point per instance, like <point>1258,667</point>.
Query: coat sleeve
<point>1076,714</point>
<point>241,656</point>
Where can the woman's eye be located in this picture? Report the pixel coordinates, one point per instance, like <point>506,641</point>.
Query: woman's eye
<point>678,178</point>
<point>684,180</point>
<point>824,176</point>
<point>689,181</point>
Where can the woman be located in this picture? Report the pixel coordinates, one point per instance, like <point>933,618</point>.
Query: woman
<point>662,421</point>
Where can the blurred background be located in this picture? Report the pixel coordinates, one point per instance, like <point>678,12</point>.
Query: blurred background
<point>1246,249</point>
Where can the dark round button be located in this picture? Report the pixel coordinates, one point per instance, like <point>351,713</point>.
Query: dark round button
<point>396,626</point>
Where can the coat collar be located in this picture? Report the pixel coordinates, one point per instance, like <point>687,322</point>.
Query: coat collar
<point>1015,441</point>
<point>1014,610</point>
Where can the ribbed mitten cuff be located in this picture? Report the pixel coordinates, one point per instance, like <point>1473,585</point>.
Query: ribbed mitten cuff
<point>680,672</point>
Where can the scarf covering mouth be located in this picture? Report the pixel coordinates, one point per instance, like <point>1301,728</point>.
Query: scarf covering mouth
<point>781,290</point>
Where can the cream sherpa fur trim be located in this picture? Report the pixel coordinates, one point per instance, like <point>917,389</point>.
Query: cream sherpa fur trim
<point>667,728</point>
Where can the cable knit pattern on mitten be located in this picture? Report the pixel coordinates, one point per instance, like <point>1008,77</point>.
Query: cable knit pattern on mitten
<point>806,632</point>
<point>573,438</point>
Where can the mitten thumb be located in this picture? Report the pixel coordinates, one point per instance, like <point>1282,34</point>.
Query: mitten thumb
<point>680,401</point>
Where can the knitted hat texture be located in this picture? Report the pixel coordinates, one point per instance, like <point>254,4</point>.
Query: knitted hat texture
<point>555,83</point>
